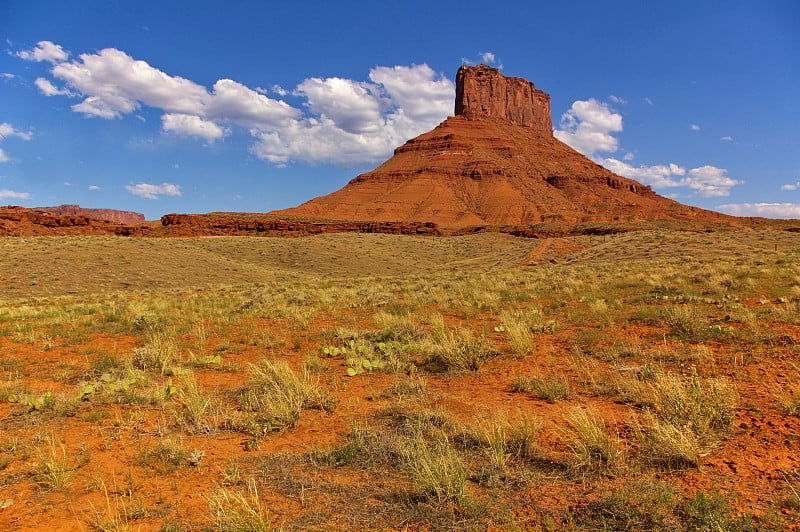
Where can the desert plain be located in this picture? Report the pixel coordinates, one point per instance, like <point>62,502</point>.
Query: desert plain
<point>645,380</point>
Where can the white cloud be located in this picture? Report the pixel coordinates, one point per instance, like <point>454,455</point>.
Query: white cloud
<point>794,186</point>
<point>695,127</point>
<point>648,101</point>
<point>767,210</point>
<point>710,181</point>
<point>4,158</point>
<point>727,137</point>
<point>44,51</point>
<point>233,102</point>
<point>7,130</point>
<point>114,83</point>
<point>628,156</point>
<point>417,90</point>
<point>93,187</point>
<point>193,126</point>
<point>617,99</point>
<point>7,75</point>
<point>343,121</point>
<point>48,89</point>
<point>352,106</point>
<point>588,126</point>
<point>488,58</point>
<point>148,191</point>
<point>6,194</point>
<point>706,181</point>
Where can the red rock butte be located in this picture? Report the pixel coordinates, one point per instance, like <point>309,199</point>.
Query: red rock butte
<point>496,162</point>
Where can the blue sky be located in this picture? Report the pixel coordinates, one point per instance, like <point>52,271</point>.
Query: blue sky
<point>202,106</point>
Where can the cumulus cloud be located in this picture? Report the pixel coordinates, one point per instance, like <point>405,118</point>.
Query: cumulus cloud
<point>6,194</point>
<point>793,186</point>
<point>4,158</point>
<point>767,210</point>
<point>192,126</point>
<point>694,127</point>
<point>342,121</point>
<point>153,192</point>
<point>44,51</point>
<point>48,89</point>
<point>706,181</point>
<point>588,126</point>
<point>114,84</point>
<point>233,102</point>
<point>352,106</point>
<point>7,131</point>
<point>417,90</point>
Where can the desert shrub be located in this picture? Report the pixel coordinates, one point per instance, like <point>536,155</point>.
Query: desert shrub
<point>163,458</point>
<point>456,349</point>
<point>237,511</point>
<point>54,470</point>
<point>549,388</point>
<point>436,468</point>
<point>277,395</point>
<point>664,444</point>
<point>593,446</point>
<point>704,406</point>
<point>686,321</point>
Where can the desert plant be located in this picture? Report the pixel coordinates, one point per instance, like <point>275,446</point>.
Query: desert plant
<point>436,468</point>
<point>550,388</point>
<point>165,457</point>
<point>593,447</point>
<point>704,406</point>
<point>686,321</point>
<point>235,511</point>
<point>277,395</point>
<point>456,349</point>
<point>195,403</point>
<point>664,444</point>
<point>54,471</point>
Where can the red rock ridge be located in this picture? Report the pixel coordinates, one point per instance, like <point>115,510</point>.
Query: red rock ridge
<point>112,215</point>
<point>483,92</point>
<point>495,164</point>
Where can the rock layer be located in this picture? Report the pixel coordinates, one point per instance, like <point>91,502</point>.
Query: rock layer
<point>483,92</point>
<point>112,215</point>
<point>495,163</point>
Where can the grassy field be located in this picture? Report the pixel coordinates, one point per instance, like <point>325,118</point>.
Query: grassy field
<point>639,381</point>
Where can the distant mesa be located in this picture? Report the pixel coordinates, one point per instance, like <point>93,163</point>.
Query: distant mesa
<point>496,162</point>
<point>112,215</point>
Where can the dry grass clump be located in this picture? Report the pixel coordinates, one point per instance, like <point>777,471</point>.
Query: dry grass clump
<point>549,388</point>
<point>684,418</point>
<point>237,511</point>
<point>456,349</point>
<point>277,395</point>
<point>54,470</point>
<point>593,446</point>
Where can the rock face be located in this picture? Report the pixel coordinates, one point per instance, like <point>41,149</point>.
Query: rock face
<point>483,92</point>
<point>123,217</point>
<point>494,164</point>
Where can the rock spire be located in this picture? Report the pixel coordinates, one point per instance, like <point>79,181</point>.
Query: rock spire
<point>482,91</point>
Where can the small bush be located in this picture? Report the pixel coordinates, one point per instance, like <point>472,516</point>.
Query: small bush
<point>235,511</point>
<point>591,443</point>
<point>436,468</point>
<point>550,388</point>
<point>277,395</point>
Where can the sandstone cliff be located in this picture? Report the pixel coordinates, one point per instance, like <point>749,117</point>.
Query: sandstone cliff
<point>495,163</point>
<point>483,92</point>
<point>112,215</point>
